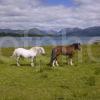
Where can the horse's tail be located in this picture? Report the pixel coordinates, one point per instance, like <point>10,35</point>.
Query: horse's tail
<point>53,56</point>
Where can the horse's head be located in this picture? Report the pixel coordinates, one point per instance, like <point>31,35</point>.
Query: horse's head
<point>42,51</point>
<point>38,50</point>
<point>77,46</point>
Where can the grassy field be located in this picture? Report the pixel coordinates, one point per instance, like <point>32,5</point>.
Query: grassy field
<point>78,82</point>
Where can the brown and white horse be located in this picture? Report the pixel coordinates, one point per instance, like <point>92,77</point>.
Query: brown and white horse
<point>64,50</point>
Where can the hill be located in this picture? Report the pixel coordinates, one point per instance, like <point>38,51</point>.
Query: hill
<point>91,31</point>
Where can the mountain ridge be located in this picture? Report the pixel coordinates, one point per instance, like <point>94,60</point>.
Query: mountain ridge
<point>90,31</point>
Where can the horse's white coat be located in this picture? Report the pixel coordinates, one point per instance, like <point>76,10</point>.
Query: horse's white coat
<point>31,53</point>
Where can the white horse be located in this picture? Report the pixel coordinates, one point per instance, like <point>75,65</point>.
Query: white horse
<point>25,53</point>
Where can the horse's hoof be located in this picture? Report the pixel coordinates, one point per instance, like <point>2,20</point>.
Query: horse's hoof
<point>71,64</point>
<point>57,65</point>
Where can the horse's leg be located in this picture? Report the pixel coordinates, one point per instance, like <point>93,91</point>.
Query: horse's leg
<point>35,60</point>
<point>70,61</point>
<point>32,64</point>
<point>56,62</point>
<point>53,63</point>
<point>17,59</point>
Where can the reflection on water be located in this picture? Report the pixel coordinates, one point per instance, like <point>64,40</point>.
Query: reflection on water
<point>41,41</point>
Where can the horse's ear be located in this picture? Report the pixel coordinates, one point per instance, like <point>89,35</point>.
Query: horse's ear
<point>79,43</point>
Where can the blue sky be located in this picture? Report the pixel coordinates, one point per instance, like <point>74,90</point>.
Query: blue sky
<point>49,14</point>
<point>60,2</point>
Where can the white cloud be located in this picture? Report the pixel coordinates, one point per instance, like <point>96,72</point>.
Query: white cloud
<point>32,13</point>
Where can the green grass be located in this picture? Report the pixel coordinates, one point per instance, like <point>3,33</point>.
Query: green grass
<point>78,82</point>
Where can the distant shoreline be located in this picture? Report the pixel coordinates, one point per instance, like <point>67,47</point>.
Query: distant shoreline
<point>31,35</point>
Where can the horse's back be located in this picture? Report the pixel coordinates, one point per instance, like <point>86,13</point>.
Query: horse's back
<point>22,52</point>
<point>64,50</point>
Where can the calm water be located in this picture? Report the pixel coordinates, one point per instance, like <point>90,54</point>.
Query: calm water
<point>41,41</point>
